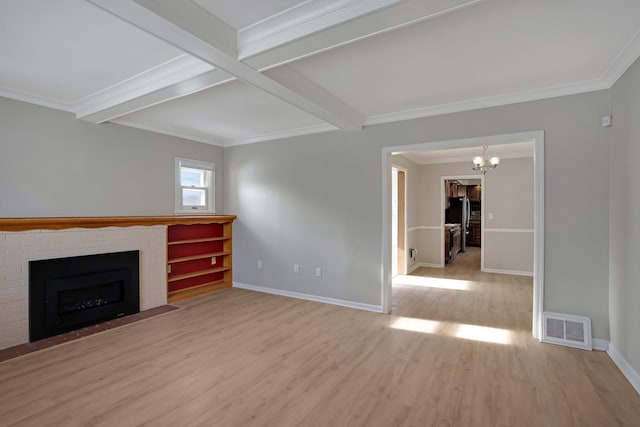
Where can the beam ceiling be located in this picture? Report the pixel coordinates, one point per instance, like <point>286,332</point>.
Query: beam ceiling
<point>306,30</point>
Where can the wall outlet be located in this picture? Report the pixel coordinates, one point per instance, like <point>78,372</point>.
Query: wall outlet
<point>259,263</point>
<point>490,215</point>
<point>296,268</point>
<point>318,272</point>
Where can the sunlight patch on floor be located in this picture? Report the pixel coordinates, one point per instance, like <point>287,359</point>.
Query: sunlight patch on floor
<point>432,282</point>
<point>453,329</point>
<point>415,325</point>
<point>483,333</point>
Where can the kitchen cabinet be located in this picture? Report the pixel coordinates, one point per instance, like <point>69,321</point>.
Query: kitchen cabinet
<point>453,189</point>
<point>455,246</point>
<point>452,243</point>
<point>475,234</point>
<point>474,192</point>
<point>447,246</point>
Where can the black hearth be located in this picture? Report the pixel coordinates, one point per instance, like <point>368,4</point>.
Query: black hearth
<point>69,293</point>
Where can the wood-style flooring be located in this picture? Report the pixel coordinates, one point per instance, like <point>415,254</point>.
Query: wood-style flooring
<point>457,351</point>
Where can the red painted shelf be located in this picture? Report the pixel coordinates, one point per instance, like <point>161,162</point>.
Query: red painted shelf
<point>190,250</point>
<point>200,256</point>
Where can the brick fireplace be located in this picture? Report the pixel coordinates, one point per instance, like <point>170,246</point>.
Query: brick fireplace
<point>17,248</point>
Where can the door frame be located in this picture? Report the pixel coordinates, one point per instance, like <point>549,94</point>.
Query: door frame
<point>537,137</point>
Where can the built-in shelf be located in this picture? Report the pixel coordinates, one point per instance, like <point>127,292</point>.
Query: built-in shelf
<point>201,256</point>
<point>199,259</point>
<point>199,273</point>
<point>206,239</point>
<point>198,290</point>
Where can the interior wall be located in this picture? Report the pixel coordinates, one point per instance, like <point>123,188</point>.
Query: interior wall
<point>509,197</point>
<point>624,227</point>
<point>411,206</point>
<point>316,200</point>
<point>55,165</point>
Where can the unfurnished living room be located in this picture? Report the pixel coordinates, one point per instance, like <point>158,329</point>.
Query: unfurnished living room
<point>319,213</point>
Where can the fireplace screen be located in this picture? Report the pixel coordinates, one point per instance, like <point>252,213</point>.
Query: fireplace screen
<point>68,293</point>
<point>95,296</point>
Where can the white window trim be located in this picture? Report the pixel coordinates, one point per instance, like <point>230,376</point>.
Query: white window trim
<point>211,202</point>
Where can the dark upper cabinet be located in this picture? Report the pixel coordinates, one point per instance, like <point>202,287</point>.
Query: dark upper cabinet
<point>474,192</point>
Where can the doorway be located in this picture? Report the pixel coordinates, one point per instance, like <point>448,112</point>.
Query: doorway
<point>537,138</point>
<point>461,218</point>
<point>398,221</point>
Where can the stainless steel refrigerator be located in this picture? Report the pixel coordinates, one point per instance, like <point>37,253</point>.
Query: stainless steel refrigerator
<point>458,212</point>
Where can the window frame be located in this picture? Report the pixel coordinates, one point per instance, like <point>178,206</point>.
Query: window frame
<point>210,173</point>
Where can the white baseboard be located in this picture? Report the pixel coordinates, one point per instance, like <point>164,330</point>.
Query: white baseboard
<point>600,345</point>
<point>512,272</point>
<point>625,367</point>
<point>413,268</point>
<point>424,264</point>
<point>309,297</point>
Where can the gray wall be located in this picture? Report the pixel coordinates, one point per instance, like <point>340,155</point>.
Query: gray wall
<point>624,226</point>
<point>316,200</point>
<point>54,165</point>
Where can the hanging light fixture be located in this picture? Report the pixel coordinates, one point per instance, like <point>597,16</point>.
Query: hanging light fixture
<point>483,164</point>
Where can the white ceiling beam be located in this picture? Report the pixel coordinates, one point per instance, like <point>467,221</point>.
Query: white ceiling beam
<point>302,20</point>
<point>182,24</point>
<point>283,38</point>
<point>303,39</point>
<point>107,112</point>
<point>305,87</point>
<point>105,104</point>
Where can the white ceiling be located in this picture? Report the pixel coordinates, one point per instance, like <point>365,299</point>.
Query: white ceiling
<point>240,71</point>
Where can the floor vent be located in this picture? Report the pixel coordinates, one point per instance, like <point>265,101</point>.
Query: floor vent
<point>568,330</point>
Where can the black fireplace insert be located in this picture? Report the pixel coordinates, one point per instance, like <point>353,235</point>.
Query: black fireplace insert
<point>69,293</point>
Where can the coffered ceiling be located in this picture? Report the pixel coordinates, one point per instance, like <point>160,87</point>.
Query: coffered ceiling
<point>229,72</point>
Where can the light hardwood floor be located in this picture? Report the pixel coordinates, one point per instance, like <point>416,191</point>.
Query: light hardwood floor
<point>240,358</point>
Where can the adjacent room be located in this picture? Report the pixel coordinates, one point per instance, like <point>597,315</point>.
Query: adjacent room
<point>336,212</point>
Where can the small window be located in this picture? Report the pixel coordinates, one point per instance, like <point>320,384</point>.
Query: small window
<point>194,186</point>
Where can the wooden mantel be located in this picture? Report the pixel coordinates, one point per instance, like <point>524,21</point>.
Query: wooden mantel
<point>60,223</point>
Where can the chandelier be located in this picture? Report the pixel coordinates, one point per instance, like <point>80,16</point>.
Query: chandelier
<point>483,164</point>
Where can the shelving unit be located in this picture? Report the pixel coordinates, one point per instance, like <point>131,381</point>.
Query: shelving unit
<point>199,258</point>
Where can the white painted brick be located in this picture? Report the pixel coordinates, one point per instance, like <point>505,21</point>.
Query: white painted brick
<point>11,276</point>
<point>21,247</point>
<point>12,295</point>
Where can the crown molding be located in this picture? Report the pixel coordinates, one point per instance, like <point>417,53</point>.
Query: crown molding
<point>623,60</point>
<point>494,101</point>
<point>305,130</point>
<point>31,98</point>
<point>174,71</point>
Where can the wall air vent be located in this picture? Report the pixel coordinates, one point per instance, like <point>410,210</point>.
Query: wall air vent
<point>567,330</point>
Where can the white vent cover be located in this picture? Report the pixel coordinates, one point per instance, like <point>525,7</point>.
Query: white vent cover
<point>566,329</point>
